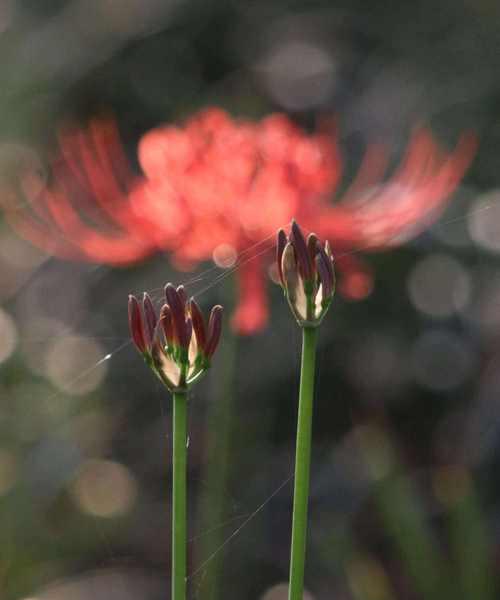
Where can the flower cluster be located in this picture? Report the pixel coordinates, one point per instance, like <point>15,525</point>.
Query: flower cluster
<point>240,181</point>
<point>177,345</point>
<point>306,274</point>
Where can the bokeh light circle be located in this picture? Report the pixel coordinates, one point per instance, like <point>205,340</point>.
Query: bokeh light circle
<point>441,360</point>
<point>439,286</point>
<point>74,364</point>
<point>376,364</point>
<point>298,74</point>
<point>484,221</point>
<point>104,488</point>
<point>224,256</point>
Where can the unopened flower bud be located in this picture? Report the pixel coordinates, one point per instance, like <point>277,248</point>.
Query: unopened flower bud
<point>176,345</point>
<point>307,275</point>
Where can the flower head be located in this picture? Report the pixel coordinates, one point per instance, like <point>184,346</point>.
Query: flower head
<point>306,274</point>
<point>240,181</point>
<point>177,344</point>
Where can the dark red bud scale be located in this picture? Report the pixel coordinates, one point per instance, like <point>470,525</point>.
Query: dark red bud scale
<point>198,324</point>
<point>327,261</point>
<point>301,251</point>
<point>149,317</point>
<point>312,246</point>
<point>280,247</point>
<point>166,323</point>
<point>159,339</point>
<point>324,276</point>
<point>178,316</point>
<point>135,323</point>
<point>214,330</point>
<point>181,292</point>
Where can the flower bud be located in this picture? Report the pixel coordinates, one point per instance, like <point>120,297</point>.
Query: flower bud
<point>307,275</point>
<point>176,345</point>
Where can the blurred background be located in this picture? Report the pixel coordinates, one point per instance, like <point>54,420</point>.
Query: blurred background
<point>405,502</point>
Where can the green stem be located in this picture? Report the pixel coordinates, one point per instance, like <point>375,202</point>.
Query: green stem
<point>179,550</point>
<point>302,464</point>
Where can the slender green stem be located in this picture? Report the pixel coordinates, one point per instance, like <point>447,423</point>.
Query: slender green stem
<point>179,550</point>
<point>302,464</point>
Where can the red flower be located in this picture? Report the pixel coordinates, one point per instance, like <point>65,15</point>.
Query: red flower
<point>239,182</point>
<point>220,183</point>
<point>82,212</point>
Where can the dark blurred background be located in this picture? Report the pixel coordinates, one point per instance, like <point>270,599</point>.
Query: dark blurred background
<point>404,494</point>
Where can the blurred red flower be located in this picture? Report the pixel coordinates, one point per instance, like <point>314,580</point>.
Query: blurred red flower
<point>81,212</point>
<point>235,182</point>
<point>217,186</point>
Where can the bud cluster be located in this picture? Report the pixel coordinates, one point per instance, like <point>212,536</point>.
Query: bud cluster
<point>177,345</point>
<point>306,274</point>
